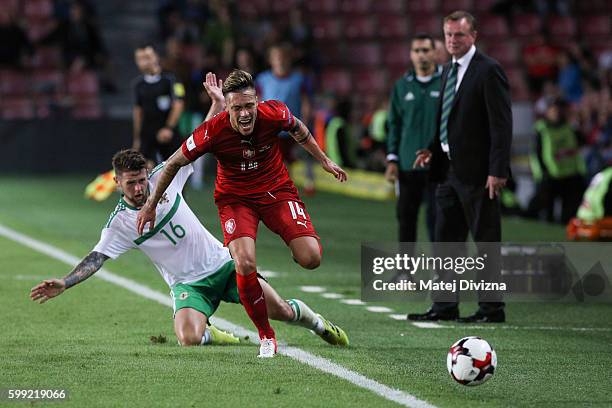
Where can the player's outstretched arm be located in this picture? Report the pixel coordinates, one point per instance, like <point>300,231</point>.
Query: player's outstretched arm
<point>50,288</point>
<point>146,215</point>
<point>214,89</point>
<point>302,135</point>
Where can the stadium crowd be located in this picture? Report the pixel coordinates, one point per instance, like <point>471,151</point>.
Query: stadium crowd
<point>53,61</point>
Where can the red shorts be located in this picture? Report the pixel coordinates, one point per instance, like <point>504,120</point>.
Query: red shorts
<point>281,211</point>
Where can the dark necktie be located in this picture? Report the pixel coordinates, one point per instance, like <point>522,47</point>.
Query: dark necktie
<point>447,103</point>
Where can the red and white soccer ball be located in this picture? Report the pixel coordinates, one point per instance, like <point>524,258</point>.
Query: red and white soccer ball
<point>471,361</point>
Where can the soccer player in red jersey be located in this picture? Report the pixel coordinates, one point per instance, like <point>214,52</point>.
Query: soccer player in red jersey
<point>252,184</point>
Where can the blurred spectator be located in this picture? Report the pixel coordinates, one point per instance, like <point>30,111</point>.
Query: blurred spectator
<point>15,48</point>
<point>557,166</point>
<point>283,83</point>
<point>246,61</point>
<point>82,45</point>
<point>372,144</point>
<point>80,40</point>
<point>218,35</point>
<point>299,33</point>
<point>158,104</point>
<point>441,56</point>
<point>338,137</point>
<point>569,79</point>
<point>540,60</point>
<point>550,93</point>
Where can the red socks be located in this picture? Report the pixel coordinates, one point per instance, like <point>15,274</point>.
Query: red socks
<point>252,298</point>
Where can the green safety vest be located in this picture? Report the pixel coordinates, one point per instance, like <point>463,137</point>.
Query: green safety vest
<point>377,126</point>
<point>332,147</point>
<point>592,207</point>
<point>560,153</point>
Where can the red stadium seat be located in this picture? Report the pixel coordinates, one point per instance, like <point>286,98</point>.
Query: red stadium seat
<point>431,24</point>
<point>396,56</point>
<point>284,6</point>
<point>492,26</point>
<point>561,27</point>
<point>417,8</point>
<point>505,52</point>
<point>20,108</point>
<point>526,25</point>
<point>332,54</point>
<point>595,25</point>
<point>364,54</point>
<point>14,83</point>
<point>38,9</point>
<point>11,6</point>
<point>483,6</point>
<point>318,7</point>
<point>518,86</point>
<point>448,6</point>
<point>88,108</point>
<point>47,81</point>
<point>388,6</point>
<point>324,29</point>
<point>355,6</point>
<point>392,26</point>
<point>254,8</point>
<point>336,81</point>
<point>370,81</point>
<point>48,57</point>
<point>82,83</point>
<point>39,29</point>
<point>359,28</point>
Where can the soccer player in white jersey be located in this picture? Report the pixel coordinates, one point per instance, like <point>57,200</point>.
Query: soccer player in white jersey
<point>194,264</point>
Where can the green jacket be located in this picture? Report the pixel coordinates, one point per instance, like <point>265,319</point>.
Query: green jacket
<point>412,117</point>
<point>593,206</point>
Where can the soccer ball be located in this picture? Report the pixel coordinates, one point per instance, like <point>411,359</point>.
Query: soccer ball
<point>471,361</point>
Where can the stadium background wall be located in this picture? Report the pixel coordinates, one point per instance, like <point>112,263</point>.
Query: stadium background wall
<point>60,145</point>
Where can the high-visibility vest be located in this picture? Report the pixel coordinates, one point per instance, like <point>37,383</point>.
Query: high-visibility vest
<point>332,147</point>
<point>560,154</point>
<point>592,207</point>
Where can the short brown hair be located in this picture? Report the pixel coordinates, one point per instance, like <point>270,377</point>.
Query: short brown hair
<point>237,81</point>
<point>460,14</point>
<point>128,160</point>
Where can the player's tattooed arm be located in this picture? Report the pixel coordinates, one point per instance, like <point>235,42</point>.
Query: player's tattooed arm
<point>300,132</point>
<point>87,267</point>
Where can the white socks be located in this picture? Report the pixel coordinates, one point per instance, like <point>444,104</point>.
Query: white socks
<point>305,317</point>
<point>206,339</point>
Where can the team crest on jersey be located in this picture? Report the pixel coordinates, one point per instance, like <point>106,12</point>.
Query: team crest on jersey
<point>230,226</point>
<point>163,199</point>
<point>248,153</point>
<point>184,295</point>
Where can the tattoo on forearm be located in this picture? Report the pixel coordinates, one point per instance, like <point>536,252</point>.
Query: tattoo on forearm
<point>88,266</point>
<point>165,178</point>
<point>300,133</point>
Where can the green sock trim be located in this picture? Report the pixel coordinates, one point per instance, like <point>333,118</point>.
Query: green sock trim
<point>296,309</point>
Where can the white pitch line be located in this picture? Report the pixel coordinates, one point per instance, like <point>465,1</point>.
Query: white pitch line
<point>332,295</point>
<point>379,309</point>
<point>268,274</point>
<point>312,289</point>
<point>398,316</point>
<point>353,302</point>
<point>320,363</point>
<point>428,325</point>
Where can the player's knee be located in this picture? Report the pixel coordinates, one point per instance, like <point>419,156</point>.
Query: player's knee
<point>310,260</point>
<point>245,264</point>
<point>189,338</point>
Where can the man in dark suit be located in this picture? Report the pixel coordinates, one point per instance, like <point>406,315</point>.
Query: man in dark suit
<point>470,158</point>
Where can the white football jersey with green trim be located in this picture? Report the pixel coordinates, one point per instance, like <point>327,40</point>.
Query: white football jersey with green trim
<point>178,245</point>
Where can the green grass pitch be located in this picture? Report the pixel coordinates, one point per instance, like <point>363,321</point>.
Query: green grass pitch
<point>94,340</point>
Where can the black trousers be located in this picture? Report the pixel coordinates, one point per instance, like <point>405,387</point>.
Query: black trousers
<point>414,187</point>
<point>463,209</point>
<point>568,189</point>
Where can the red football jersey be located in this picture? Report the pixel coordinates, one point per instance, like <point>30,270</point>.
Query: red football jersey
<point>247,165</point>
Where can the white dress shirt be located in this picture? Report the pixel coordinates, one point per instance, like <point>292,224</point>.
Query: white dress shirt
<point>464,62</point>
